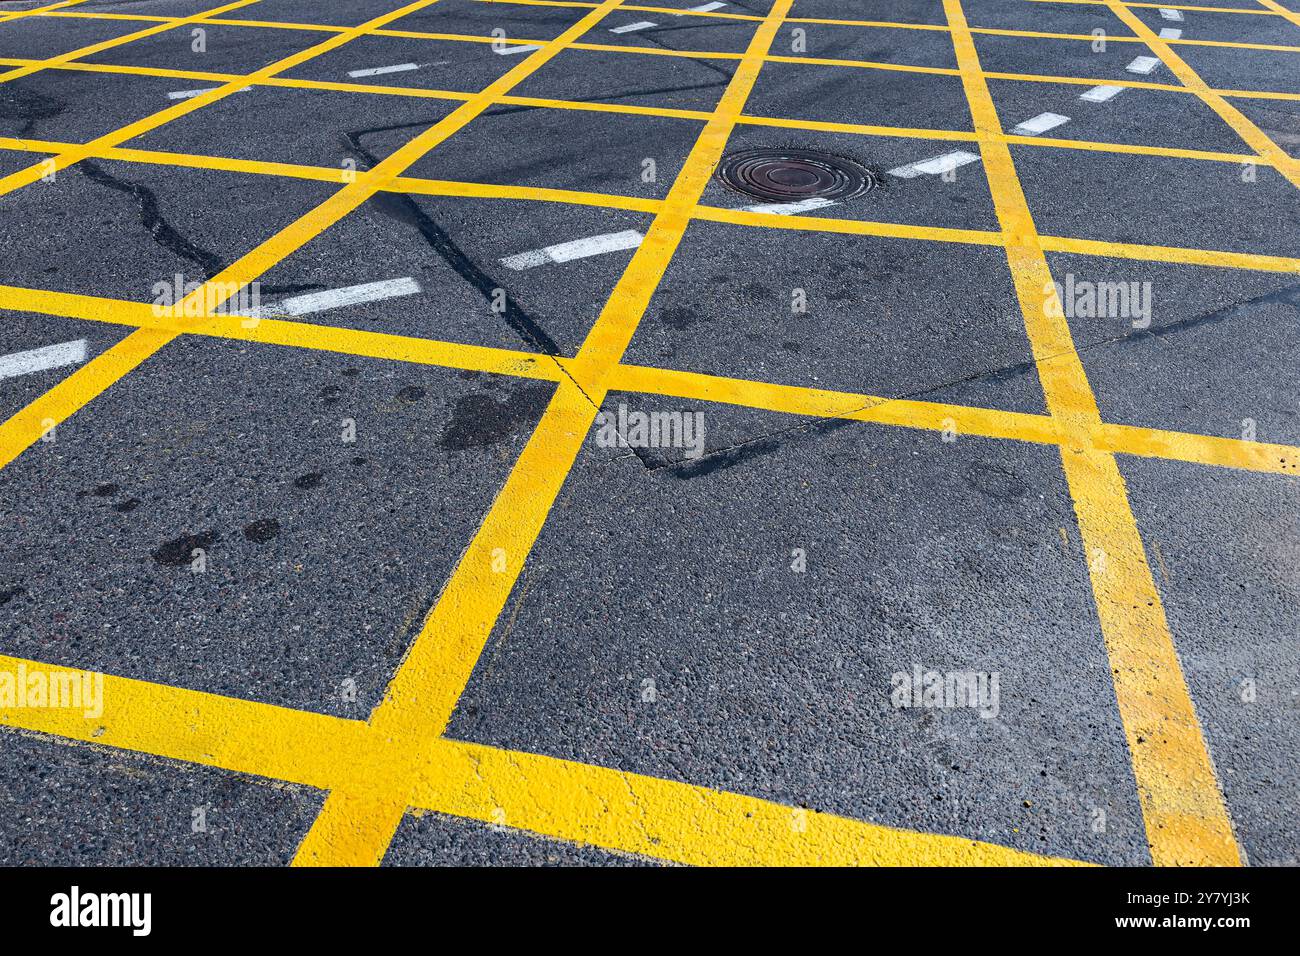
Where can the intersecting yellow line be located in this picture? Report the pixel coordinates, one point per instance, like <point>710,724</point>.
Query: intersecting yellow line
<point>1153,6</point>
<point>38,11</point>
<point>122,40</point>
<point>356,826</point>
<point>631,110</point>
<point>1282,11</point>
<point>1186,820</point>
<point>534,791</point>
<point>634,50</point>
<point>717,15</point>
<point>62,160</point>
<point>560,799</point>
<point>1250,134</point>
<point>786,399</point>
<point>26,427</point>
<point>436,187</point>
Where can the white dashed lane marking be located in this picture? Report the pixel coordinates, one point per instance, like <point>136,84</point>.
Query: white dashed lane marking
<point>1170,33</point>
<point>1040,124</point>
<point>336,298</point>
<point>632,27</point>
<point>46,357</point>
<point>1100,94</point>
<point>576,249</point>
<point>507,50</point>
<point>1143,65</point>
<point>706,7</point>
<point>190,94</point>
<point>1175,15</point>
<point>380,70</point>
<point>935,165</point>
<point>791,208</point>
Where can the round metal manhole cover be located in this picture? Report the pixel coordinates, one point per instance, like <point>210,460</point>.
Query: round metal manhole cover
<point>789,175</point>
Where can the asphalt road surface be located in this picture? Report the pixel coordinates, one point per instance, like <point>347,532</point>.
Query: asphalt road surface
<point>415,453</point>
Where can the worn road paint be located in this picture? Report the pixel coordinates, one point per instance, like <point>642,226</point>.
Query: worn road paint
<point>1175,15</point>
<point>575,249</point>
<point>46,357</point>
<point>633,27</point>
<point>1170,33</point>
<point>507,50</point>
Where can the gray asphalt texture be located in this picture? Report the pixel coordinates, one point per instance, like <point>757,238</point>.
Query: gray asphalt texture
<point>325,554</point>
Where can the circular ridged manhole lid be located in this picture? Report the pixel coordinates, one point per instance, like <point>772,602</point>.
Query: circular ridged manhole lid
<point>789,175</point>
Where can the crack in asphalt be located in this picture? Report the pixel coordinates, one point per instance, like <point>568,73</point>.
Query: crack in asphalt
<point>404,209</point>
<point>165,234</point>
<point>19,103</point>
<point>769,442</point>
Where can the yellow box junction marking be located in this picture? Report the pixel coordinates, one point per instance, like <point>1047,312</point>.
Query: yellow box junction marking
<point>1186,820</point>
<point>539,793</point>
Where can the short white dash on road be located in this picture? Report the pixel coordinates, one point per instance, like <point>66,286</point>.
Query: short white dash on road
<point>935,165</point>
<point>38,360</point>
<point>507,50</point>
<point>1175,15</point>
<point>190,94</point>
<point>577,249</point>
<point>336,298</point>
<point>792,208</point>
<point>1170,33</point>
<point>1040,124</point>
<point>1143,65</point>
<point>632,27</point>
<point>706,7</point>
<point>1100,94</point>
<point>380,70</point>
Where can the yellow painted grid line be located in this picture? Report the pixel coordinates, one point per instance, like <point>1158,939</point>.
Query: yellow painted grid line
<point>122,40</point>
<point>355,827</point>
<point>717,15</point>
<point>434,187</point>
<point>620,811</point>
<point>1185,816</point>
<point>1171,6</point>
<point>634,110</point>
<point>38,11</point>
<point>1250,134</point>
<point>921,26</point>
<point>816,61</point>
<point>512,762</point>
<point>26,427</point>
<point>67,158</point>
<point>1282,11</point>
<point>785,399</point>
